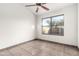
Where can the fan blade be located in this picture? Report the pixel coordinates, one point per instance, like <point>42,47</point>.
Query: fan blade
<point>37,9</point>
<point>43,3</point>
<point>44,7</point>
<point>29,5</point>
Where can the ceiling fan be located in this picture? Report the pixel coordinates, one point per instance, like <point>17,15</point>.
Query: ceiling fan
<point>38,5</point>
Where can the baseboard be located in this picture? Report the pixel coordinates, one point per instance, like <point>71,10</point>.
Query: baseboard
<point>37,39</point>
<point>16,45</point>
<point>57,43</point>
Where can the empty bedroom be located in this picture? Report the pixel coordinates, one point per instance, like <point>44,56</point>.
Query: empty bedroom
<point>39,29</point>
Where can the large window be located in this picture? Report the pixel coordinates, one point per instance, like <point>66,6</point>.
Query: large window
<point>53,25</point>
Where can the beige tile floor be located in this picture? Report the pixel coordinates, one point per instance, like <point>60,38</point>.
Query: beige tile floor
<point>40,48</point>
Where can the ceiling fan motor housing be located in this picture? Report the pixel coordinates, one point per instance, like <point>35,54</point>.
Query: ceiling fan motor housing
<point>38,4</point>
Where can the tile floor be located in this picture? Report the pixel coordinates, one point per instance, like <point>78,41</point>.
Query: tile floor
<point>40,48</point>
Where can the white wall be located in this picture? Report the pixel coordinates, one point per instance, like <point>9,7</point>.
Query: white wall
<point>70,26</point>
<point>16,25</point>
<point>78,26</point>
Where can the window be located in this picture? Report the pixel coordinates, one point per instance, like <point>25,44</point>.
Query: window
<point>53,25</point>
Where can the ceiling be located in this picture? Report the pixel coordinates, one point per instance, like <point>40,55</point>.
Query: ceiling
<point>51,6</point>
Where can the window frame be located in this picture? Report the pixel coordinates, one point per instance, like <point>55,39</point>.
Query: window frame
<point>50,24</point>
